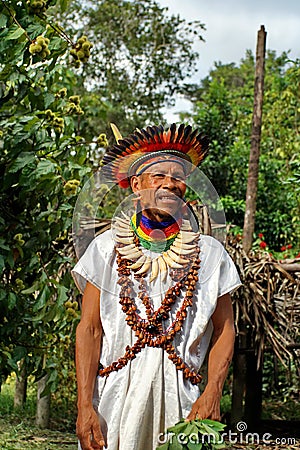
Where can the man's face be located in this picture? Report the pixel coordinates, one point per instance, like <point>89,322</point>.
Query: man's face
<point>161,189</point>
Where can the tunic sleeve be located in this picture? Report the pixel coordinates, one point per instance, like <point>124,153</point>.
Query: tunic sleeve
<point>93,264</point>
<point>229,279</point>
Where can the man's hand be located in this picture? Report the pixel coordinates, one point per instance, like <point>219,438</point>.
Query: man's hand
<point>207,406</point>
<point>88,430</point>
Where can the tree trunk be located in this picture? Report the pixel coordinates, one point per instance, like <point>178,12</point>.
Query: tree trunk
<point>253,398</point>
<point>21,387</point>
<point>43,404</point>
<point>249,219</point>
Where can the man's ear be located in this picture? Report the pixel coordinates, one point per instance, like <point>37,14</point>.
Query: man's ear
<point>135,184</point>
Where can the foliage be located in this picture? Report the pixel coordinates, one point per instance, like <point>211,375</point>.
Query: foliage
<point>194,435</point>
<point>51,140</point>
<point>140,58</point>
<point>43,162</point>
<point>223,110</point>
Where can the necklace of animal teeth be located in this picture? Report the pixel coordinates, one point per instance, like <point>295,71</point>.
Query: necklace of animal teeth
<point>177,257</point>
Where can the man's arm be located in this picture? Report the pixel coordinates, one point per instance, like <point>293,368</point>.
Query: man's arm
<point>88,343</point>
<point>220,355</point>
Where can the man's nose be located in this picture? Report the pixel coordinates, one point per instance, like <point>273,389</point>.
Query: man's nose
<point>169,182</point>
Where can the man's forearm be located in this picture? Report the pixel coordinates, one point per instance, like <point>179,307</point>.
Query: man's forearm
<point>88,343</point>
<point>220,356</point>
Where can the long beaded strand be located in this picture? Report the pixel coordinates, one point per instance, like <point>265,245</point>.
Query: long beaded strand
<point>150,332</point>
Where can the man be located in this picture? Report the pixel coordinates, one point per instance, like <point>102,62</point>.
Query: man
<point>156,296</point>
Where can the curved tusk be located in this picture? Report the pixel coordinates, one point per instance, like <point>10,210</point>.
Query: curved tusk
<point>186,238</point>
<point>125,240</point>
<point>138,263</point>
<point>127,251</point>
<point>180,244</point>
<point>121,226</point>
<point>176,257</point>
<point>133,255</point>
<point>126,234</point>
<point>186,226</point>
<point>126,217</point>
<point>154,269</point>
<point>145,267</point>
<point>182,251</point>
<point>170,262</point>
<point>121,220</point>
<point>163,268</point>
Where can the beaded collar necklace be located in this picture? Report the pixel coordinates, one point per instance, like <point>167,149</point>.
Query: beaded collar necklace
<point>152,331</point>
<point>155,236</point>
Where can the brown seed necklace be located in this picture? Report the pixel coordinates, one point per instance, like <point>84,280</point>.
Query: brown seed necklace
<point>150,331</point>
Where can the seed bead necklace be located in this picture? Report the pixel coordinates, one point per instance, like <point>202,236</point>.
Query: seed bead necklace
<point>150,331</point>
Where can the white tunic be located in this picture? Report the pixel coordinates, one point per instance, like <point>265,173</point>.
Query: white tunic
<point>138,402</point>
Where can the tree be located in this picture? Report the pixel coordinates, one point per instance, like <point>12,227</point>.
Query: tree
<point>140,58</point>
<point>223,110</point>
<point>49,123</point>
<point>42,163</point>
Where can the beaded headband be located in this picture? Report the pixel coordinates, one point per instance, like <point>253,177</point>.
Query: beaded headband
<point>121,160</point>
<point>144,162</point>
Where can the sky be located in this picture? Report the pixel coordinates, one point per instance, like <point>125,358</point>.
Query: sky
<point>232,26</point>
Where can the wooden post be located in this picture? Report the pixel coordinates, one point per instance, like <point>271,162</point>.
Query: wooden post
<point>253,397</point>
<point>239,381</point>
<point>249,219</point>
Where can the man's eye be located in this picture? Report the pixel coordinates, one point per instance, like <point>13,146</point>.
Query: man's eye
<point>158,175</point>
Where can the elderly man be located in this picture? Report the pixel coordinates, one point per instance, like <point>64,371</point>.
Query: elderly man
<point>156,298</point>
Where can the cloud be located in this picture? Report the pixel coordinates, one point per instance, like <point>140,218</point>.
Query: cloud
<point>232,26</point>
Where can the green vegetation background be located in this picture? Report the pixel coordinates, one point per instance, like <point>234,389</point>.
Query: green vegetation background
<point>68,69</point>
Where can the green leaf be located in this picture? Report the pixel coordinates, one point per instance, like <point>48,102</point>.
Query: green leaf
<point>3,20</point>
<point>48,99</point>
<point>219,446</point>
<point>2,263</point>
<point>178,427</point>
<point>190,428</point>
<point>37,317</point>
<point>19,353</point>
<point>22,160</point>
<point>30,124</point>
<point>175,444</point>
<point>11,300</point>
<point>217,426</point>
<point>13,364</point>
<point>31,289</point>
<point>165,446</point>
<point>64,5</point>
<point>45,167</point>
<point>62,295</point>
<point>193,446</point>
<point>42,299</point>
<point>15,33</point>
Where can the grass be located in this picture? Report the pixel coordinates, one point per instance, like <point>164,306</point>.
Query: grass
<point>25,436</point>
<point>18,430</point>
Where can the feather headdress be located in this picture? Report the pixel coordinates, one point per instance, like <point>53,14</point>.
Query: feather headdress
<point>121,160</point>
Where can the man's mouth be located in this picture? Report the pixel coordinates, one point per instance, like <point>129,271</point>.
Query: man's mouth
<point>167,197</point>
